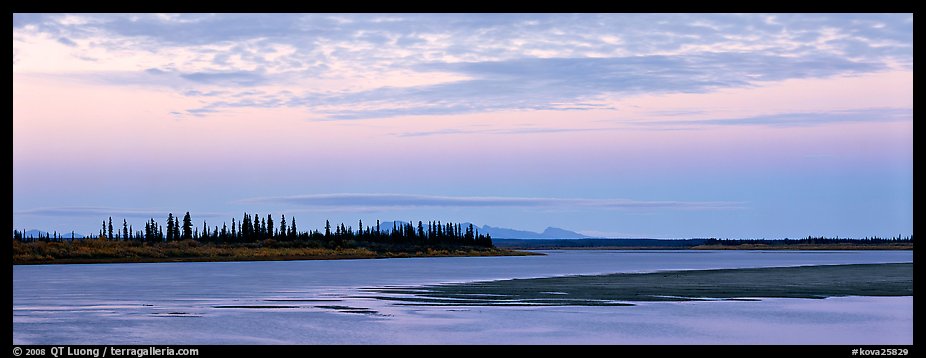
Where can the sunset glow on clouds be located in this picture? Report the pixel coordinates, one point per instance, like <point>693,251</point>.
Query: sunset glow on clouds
<point>754,125</point>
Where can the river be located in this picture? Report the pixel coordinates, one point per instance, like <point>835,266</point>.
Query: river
<point>324,302</point>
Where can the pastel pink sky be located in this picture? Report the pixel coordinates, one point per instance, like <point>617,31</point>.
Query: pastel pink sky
<point>797,140</point>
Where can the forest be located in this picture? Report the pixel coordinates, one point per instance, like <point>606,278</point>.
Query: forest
<point>255,228</point>
<point>253,237</point>
<point>809,242</point>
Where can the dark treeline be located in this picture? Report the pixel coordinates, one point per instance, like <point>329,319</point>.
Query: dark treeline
<point>535,244</point>
<point>256,228</point>
<point>811,240</point>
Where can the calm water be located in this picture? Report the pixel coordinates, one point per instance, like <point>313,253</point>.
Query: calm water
<point>322,302</point>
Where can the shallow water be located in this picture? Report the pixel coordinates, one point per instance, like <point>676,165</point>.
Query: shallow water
<point>312,302</point>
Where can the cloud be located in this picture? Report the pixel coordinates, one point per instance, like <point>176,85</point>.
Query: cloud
<point>232,78</point>
<point>177,80</point>
<point>544,83</point>
<point>512,61</point>
<point>366,201</point>
<point>504,131</point>
<point>799,119</point>
<point>66,41</point>
<point>82,211</point>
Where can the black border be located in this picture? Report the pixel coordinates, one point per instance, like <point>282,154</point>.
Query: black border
<point>477,6</point>
<point>520,351</point>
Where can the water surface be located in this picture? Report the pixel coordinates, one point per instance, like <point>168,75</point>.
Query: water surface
<point>323,302</point>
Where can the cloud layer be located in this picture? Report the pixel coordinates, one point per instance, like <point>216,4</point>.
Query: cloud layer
<point>355,200</point>
<point>362,66</point>
<point>106,212</point>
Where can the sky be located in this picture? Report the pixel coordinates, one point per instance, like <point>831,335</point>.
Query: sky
<point>612,125</point>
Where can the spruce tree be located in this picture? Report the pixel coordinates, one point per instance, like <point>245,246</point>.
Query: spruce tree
<point>292,228</point>
<point>177,230</point>
<point>170,227</point>
<point>187,227</point>
<point>125,230</point>
<point>269,226</point>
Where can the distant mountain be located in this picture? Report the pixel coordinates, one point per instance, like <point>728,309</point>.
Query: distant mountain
<point>555,232</point>
<point>553,244</point>
<point>498,232</point>
<point>386,226</point>
<point>39,233</point>
<point>548,233</point>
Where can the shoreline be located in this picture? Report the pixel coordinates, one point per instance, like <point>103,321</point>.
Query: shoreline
<point>798,247</point>
<point>103,252</point>
<point>181,252</point>
<point>807,247</point>
<point>149,260</point>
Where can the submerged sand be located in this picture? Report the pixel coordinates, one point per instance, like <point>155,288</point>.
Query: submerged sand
<point>893,279</point>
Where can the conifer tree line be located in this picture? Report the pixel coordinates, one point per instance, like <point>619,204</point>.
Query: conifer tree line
<point>812,240</point>
<point>255,228</point>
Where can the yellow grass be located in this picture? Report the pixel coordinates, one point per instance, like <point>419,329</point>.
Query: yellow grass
<point>101,251</point>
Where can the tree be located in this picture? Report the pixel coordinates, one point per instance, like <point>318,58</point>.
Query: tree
<point>187,227</point>
<point>177,230</point>
<point>283,225</point>
<point>110,228</point>
<point>246,228</point>
<point>292,228</point>
<point>327,229</point>
<point>125,230</point>
<point>170,227</point>
<point>151,232</point>
<point>269,227</point>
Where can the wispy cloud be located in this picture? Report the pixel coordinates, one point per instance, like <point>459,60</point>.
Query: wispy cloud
<point>504,131</point>
<point>355,200</point>
<point>510,61</point>
<point>234,78</point>
<point>548,83</point>
<point>66,41</point>
<point>797,119</point>
<point>83,211</point>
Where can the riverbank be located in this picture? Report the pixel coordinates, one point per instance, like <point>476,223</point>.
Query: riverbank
<point>894,279</point>
<point>101,251</point>
<point>702,244</point>
<point>903,246</point>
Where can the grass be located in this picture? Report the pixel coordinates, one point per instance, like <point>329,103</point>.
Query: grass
<point>894,279</point>
<point>102,251</point>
